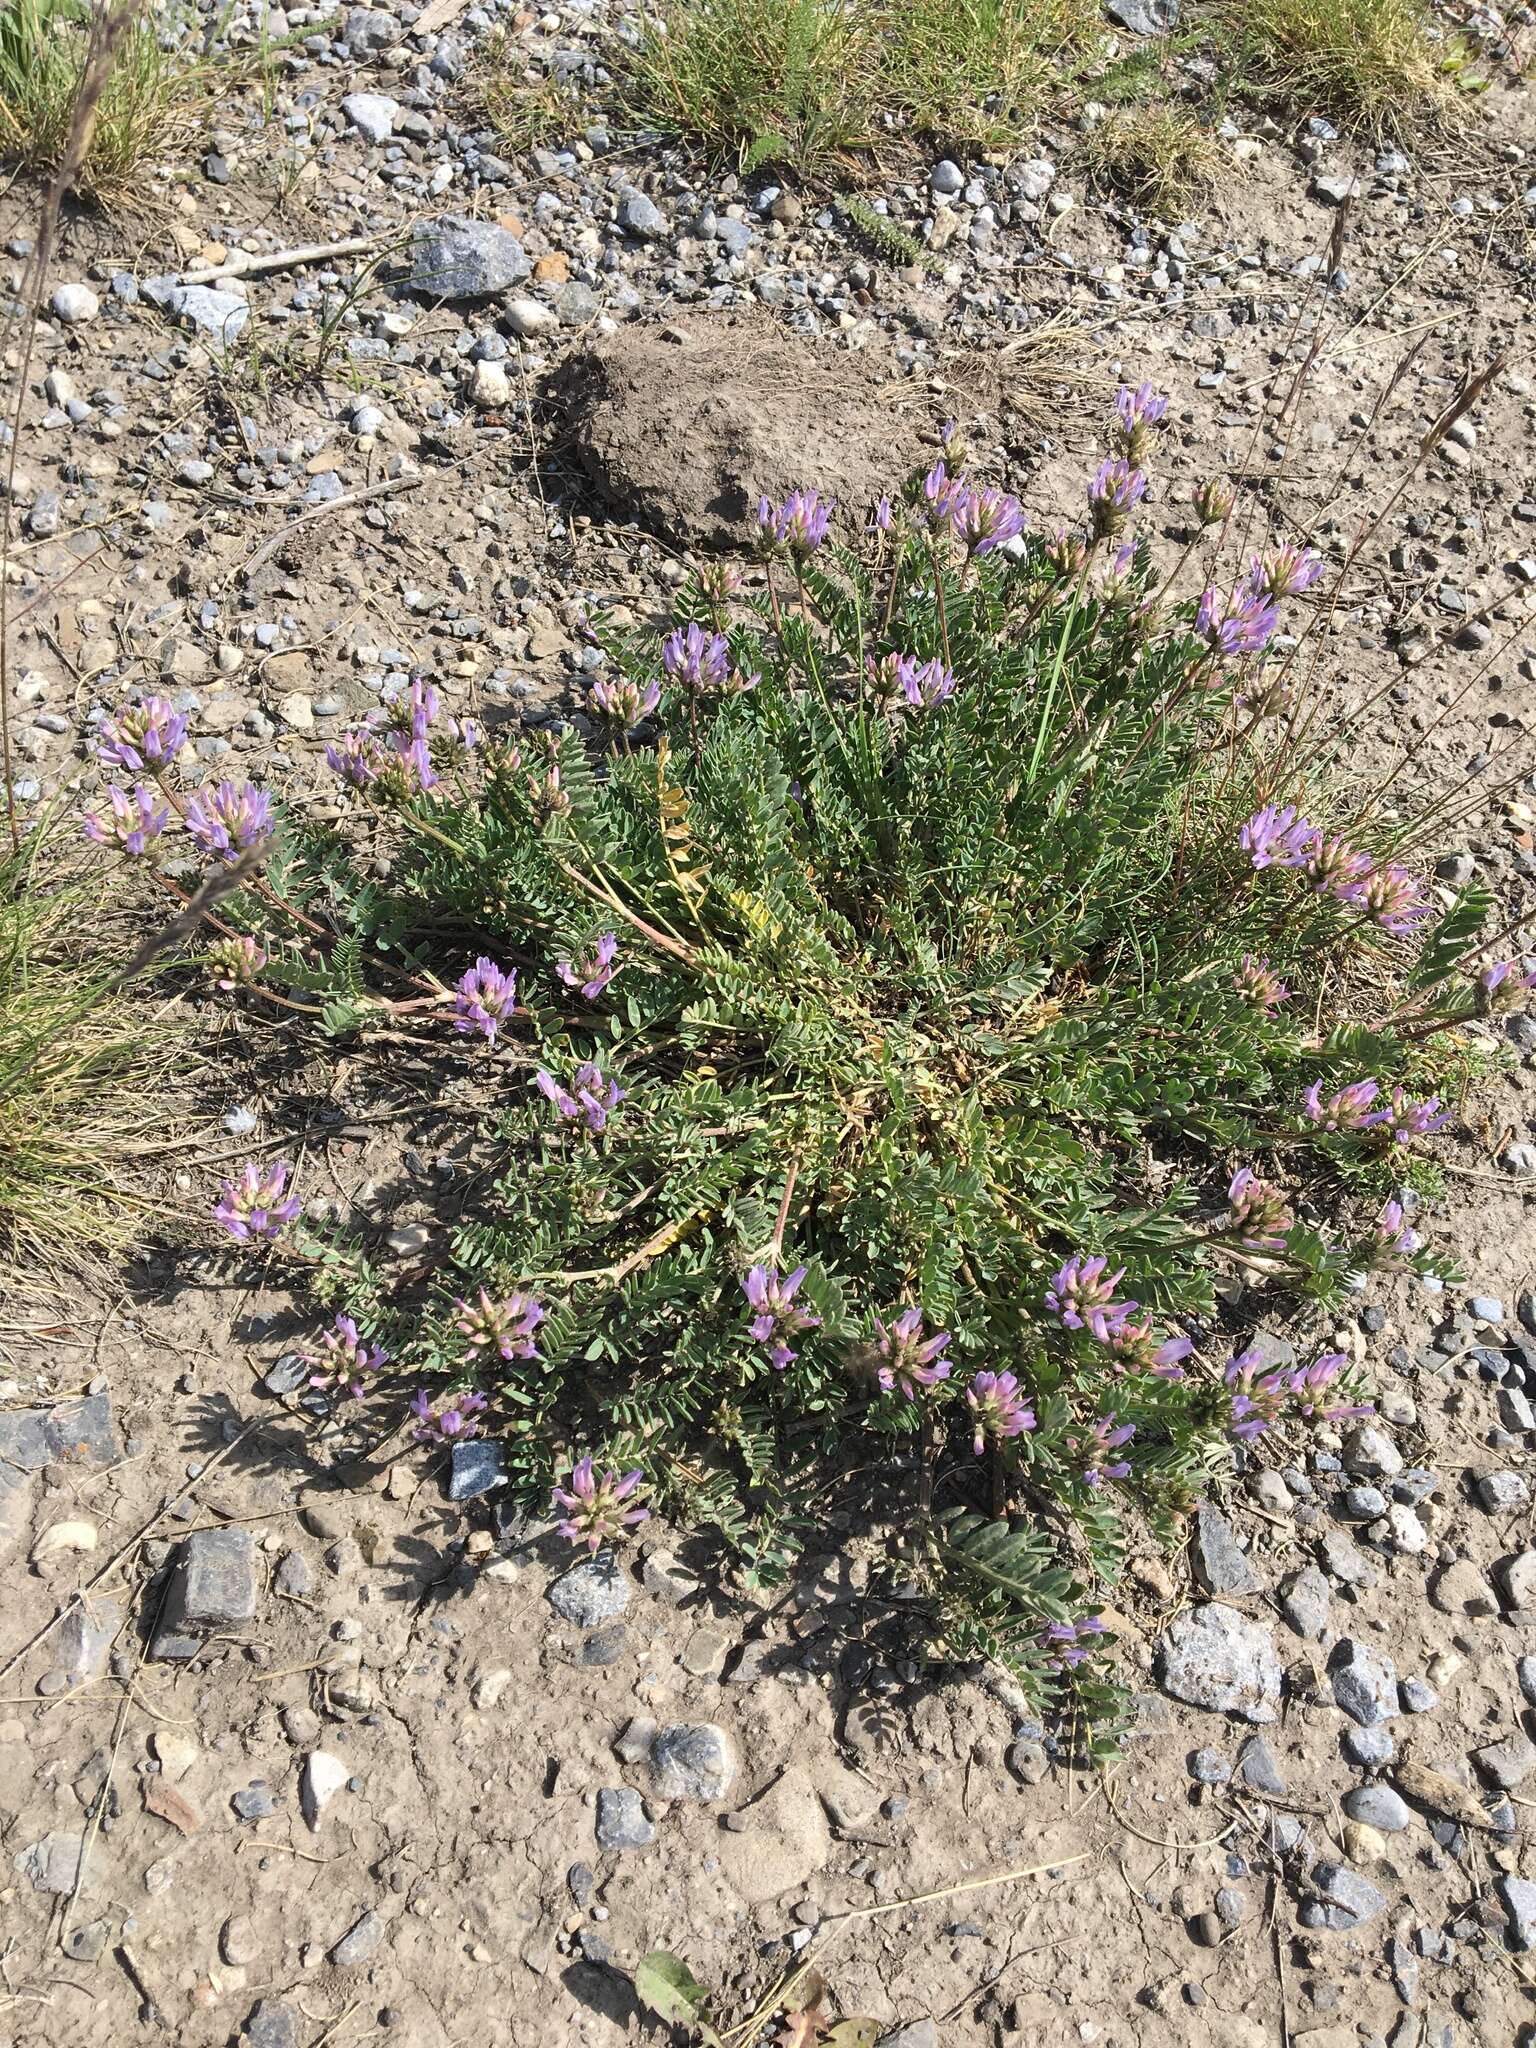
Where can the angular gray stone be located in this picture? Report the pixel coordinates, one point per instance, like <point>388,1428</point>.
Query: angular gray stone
<point>361,1940</point>
<point>1216,1658</point>
<point>223,316</point>
<point>915,2034</point>
<point>1345,1561</point>
<point>1378,1806</point>
<point>271,2024</point>
<point>693,1760</point>
<point>1369,1747</point>
<point>372,30</point>
<point>1305,1600</point>
<point>477,1467</point>
<point>85,1635</point>
<point>642,218</point>
<point>86,1944</point>
<point>52,1864</point>
<point>592,1592</point>
<point>1460,1588</point>
<point>1519,1896</point>
<point>621,1821</point>
<point>453,257</point>
<point>1519,1576</point>
<point>1220,1565</point>
<point>1258,1769</point>
<point>1347,1900</point>
<point>1144,17</point>
<point>74,1433</point>
<point>1525,1674</point>
<point>214,1587</point>
<point>1502,1493</point>
<point>1508,1763</point>
<point>1371,1454</point>
<point>1364,1683</point>
<point>371,114</point>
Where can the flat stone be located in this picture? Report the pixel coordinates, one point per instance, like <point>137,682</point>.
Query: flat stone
<point>1345,1561</point>
<point>1304,1601</point>
<point>1144,17</point>
<point>1210,1767</point>
<point>915,2034</point>
<point>1364,1683</point>
<point>1508,1763</point>
<point>271,2024</point>
<point>322,1778</point>
<point>223,316</point>
<point>214,1587</point>
<point>693,1760</point>
<point>621,1821</point>
<point>1371,1454</point>
<point>371,114</point>
<point>1378,1806</point>
<point>592,1592</point>
<point>1369,1747</point>
<point>85,1636</point>
<point>642,218</point>
<point>784,1842</point>
<point>1460,1588</point>
<point>1519,1896</point>
<point>52,1864</point>
<point>1220,1564</point>
<point>476,1467</point>
<point>454,257</point>
<point>73,1433</point>
<point>1503,1493</point>
<point>1519,1576</point>
<point>1216,1658</point>
<point>665,1579</point>
<point>1258,1769</point>
<point>1347,1900</point>
<point>361,1940</point>
<point>86,1944</point>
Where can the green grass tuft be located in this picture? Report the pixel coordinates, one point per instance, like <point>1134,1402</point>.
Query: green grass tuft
<point>1377,65</point>
<point>1157,156</point>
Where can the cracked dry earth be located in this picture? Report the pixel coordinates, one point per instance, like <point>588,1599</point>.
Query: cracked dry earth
<point>328,1757</point>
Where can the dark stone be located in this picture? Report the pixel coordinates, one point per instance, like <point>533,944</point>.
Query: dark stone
<point>74,1433</point>
<point>453,257</point>
<point>272,2024</point>
<point>477,1468</point>
<point>214,1588</point>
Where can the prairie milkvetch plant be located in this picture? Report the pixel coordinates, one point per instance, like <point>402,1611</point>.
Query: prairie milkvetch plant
<point>849,1011</point>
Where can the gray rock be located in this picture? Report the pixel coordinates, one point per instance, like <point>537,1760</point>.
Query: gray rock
<point>371,114</point>
<point>214,1587</point>
<point>52,1864</point>
<point>1460,1588</point>
<point>292,1371</point>
<point>947,178</point>
<point>1525,1673</point>
<point>74,1433</point>
<point>1210,1767</point>
<point>1304,1601</point>
<point>642,218</point>
<point>1503,1493</point>
<point>1519,1896</point>
<point>1515,1410</point>
<point>271,2024</point>
<point>477,1467</point>
<point>1418,1696</point>
<point>692,1760</point>
<point>1220,1565</point>
<point>1345,1561</point>
<point>1347,1900</point>
<point>1364,1683</point>
<point>1519,1160</point>
<point>915,2034</point>
<point>1216,1658</point>
<point>372,30</point>
<point>1257,1768</point>
<point>86,1944</point>
<point>74,304</point>
<point>223,316</point>
<point>85,1636</point>
<point>453,257</point>
<point>1335,187</point>
<point>1486,1308</point>
<point>1369,1747</point>
<point>1371,1453</point>
<point>665,1579</point>
<point>16,1491</point>
<point>621,1821</point>
<point>1508,1763</point>
<point>592,1592</point>
<point>1144,17</point>
<point>1363,1503</point>
<point>294,1576</point>
<point>531,320</point>
<point>362,1940</point>
<point>1378,1806</point>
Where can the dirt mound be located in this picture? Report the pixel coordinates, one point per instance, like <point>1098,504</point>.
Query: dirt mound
<point>684,426</point>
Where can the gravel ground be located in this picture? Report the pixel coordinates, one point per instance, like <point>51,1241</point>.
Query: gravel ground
<point>388,1768</point>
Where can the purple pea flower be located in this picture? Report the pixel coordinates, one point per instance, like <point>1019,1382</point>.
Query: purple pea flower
<point>777,1316</point>
<point>1306,1383</point>
<point>590,1099</point>
<point>1069,1643</point>
<point>484,998</point>
<point>1260,1211</point>
<point>998,1409</point>
<point>356,758</point>
<point>595,1505</point>
<point>1136,1347</point>
<point>145,735</point>
<point>882,520</point>
<point>254,1205</point>
<point>1394,899</point>
<point>799,524</point>
<point>505,1326</point>
<point>1278,838</point>
<point>345,1363</point>
<point>1081,1296</point>
<point>236,962</point>
<point>1139,410</point>
<point>1213,500</point>
<point>696,658</point>
<point>1411,1119</point>
<point>1347,1109</point>
<point>623,703</point>
<point>1096,1448</point>
<point>940,492</point>
<point>983,519</point>
<point>1257,1396</point>
<point>925,685</point>
<point>910,1361</point>
<point>592,974</point>
<point>1243,627</point>
<point>230,820</point>
<point>1115,490</point>
<point>1335,868</point>
<point>1394,1238</point>
<point>134,821</point>
<point>1260,985</point>
<point>1510,975</point>
<point>1285,571</point>
<point>455,1422</point>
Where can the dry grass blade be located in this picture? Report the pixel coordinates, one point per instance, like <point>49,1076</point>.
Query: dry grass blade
<point>1157,156</point>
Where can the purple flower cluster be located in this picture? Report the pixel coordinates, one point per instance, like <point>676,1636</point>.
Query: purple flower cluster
<point>1070,1643</point>
<point>590,1099</point>
<point>1284,571</point>
<point>356,758</point>
<point>696,658</point>
<point>1260,1397</point>
<point>1258,984</point>
<point>1260,1212</point>
<point>596,1505</point>
<point>1244,626</point>
<point>235,962</point>
<point>1139,411</point>
<point>255,1203</point>
<point>484,997</point>
<point>593,973</point>
<point>1213,500</point>
<point>344,1362</point>
<point>1136,1347</point>
<point>230,820</point>
<point>506,1326</point>
<point>1278,837</point>
<point>909,1361</point>
<point>1410,1119</point>
<point>1334,867</point>
<point>1115,490</point>
<point>455,1422</point>
<point>798,525</point>
<point>998,1408</point>
<point>147,735</point>
<point>1360,1107</point>
<point>1081,1296</point>
<point>1393,898</point>
<point>1509,976</point>
<point>135,820</point>
<point>623,703</point>
<point>983,518</point>
<point>776,1314</point>
<point>1095,1450</point>
<point>1393,1240</point>
<point>903,680</point>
